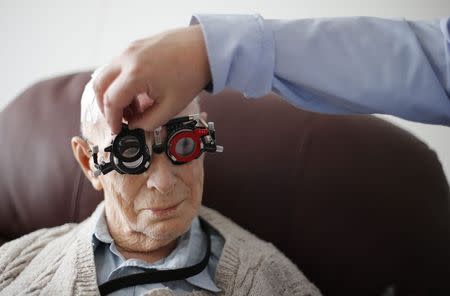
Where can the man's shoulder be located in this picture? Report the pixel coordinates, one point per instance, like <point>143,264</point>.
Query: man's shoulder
<point>257,264</point>
<point>237,238</point>
<point>227,227</point>
<point>24,259</point>
<point>38,237</point>
<point>23,250</point>
<point>41,237</point>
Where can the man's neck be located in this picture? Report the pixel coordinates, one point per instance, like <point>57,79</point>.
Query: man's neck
<point>149,257</point>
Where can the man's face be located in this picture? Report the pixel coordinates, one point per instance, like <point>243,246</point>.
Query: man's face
<point>157,206</point>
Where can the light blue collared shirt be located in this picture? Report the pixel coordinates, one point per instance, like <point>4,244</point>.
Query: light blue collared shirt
<point>191,248</point>
<point>335,65</point>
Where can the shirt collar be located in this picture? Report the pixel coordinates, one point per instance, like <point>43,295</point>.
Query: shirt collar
<point>190,250</point>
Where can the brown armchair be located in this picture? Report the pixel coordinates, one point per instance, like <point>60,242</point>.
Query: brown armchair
<point>357,203</point>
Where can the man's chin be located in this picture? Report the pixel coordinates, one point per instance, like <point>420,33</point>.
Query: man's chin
<point>163,231</point>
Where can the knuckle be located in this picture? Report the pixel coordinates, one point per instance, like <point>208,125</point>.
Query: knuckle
<point>138,42</point>
<point>134,73</point>
<point>96,86</point>
<point>117,60</point>
<point>134,70</point>
<point>133,46</point>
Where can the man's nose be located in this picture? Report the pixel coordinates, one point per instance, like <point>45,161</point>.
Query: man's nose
<point>161,174</point>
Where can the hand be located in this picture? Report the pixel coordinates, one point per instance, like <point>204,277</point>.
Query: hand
<point>153,79</point>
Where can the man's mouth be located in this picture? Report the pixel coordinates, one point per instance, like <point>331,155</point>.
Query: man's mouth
<point>161,211</point>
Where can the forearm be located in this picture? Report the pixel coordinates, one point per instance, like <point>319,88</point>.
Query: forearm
<point>339,65</point>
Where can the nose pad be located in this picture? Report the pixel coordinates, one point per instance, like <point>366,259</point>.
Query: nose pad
<point>160,175</point>
<point>148,141</point>
<point>155,140</point>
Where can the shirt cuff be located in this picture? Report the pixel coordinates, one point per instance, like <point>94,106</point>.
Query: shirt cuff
<point>241,52</point>
<point>445,28</point>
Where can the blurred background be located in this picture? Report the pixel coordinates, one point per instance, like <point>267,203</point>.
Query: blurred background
<point>42,39</point>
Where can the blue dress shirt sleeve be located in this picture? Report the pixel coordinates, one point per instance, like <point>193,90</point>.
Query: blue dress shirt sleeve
<point>335,65</point>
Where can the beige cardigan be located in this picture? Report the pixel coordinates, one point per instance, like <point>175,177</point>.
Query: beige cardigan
<point>60,261</point>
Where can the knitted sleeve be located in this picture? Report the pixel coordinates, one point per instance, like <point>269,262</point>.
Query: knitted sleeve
<point>17,254</point>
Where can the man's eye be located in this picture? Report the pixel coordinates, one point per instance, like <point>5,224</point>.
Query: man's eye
<point>129,147</point>
<point>185,146</point>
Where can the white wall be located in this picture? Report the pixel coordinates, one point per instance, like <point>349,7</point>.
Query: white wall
<point>40,39</point>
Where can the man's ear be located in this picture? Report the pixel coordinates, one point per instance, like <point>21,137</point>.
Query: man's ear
<point>80,150</point>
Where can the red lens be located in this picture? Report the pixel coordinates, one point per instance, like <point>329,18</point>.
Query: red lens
<point>184,146</point>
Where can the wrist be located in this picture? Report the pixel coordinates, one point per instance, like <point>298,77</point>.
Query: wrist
<point>201,55</point>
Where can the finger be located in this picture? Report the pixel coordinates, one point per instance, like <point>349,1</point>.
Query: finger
<point>154,116</point>
<point>102,81</point>
<point>144,101</point>
<point>137,107</point>
<point>114,119</point>
<point>119,95</point>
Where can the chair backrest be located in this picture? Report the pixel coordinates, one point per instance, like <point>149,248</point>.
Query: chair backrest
<point>357,203</point>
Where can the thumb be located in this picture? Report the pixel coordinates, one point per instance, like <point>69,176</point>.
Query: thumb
<point>154,116</point>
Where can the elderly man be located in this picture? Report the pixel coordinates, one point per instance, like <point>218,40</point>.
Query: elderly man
<point>150,235</point>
